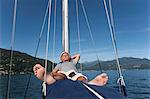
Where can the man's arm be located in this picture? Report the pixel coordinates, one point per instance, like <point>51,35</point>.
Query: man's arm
<point>76,58</point>
<point>56,74</point>
<point>57,68</point>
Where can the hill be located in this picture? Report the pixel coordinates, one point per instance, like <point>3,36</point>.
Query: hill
<point>125,62</point>
<point>22,62</point>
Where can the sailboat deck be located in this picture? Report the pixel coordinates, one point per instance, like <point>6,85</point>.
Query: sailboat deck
<point>68,89</point>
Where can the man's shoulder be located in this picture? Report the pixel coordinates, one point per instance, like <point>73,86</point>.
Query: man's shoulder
<point>59,64</point>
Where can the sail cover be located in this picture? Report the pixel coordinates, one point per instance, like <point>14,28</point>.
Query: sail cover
<point>68,89</point>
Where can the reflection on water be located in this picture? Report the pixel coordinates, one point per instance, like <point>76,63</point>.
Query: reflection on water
<point>137,84</point>
<point>19,85</point>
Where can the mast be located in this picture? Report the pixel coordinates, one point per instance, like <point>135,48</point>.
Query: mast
<point>65,34</point>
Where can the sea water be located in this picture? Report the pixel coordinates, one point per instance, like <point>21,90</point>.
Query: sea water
<point>137,84</point>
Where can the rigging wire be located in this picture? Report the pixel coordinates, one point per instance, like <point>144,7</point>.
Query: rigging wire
<point>41,32</point>
<point>38,44</point>
<point>91,36</point>
<point>40,36</point>
<point>47,45</point>
<point>54,35</point>
<point>12,45</point>
<point>78,28</point>
<point>112,31</point>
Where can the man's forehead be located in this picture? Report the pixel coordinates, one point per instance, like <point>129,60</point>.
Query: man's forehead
<point>65,54</point>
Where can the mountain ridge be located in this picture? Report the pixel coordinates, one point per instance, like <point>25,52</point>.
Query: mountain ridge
<point>125,62</point>
<point>23,62</point>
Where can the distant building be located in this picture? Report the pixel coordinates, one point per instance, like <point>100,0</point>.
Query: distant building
<point>2,71</point>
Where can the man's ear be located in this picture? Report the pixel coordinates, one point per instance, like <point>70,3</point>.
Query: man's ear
<point>61,58</point>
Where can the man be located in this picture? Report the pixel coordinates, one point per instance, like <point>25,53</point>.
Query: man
<point>67,69</point>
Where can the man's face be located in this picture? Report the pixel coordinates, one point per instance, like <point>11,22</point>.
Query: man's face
<point>65,57</point>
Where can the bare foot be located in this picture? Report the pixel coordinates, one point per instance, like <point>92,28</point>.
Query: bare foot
<point>100,80</point>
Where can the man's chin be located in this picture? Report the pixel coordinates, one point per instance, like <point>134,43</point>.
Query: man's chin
<point>67,59</point>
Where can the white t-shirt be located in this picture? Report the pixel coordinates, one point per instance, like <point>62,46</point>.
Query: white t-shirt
<point>66,66</point>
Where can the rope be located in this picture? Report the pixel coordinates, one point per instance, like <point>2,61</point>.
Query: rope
<point>112,31</point>
<point>38,44</point>
<point>120,79</point>
<point>54,36</point>
<point>41,32</point>
<point>47,45</point>
<point>113,37</point>
<point>12,45</point>
<point>78,28</point>
<point>93,91</point>
<point>91,36</point>
<point>87,21</point>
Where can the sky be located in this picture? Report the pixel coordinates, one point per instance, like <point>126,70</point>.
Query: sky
<point>131,19</point>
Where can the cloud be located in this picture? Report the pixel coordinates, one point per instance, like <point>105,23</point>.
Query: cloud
<point>77,41</point>
<point>108,54</point>
<point>145,30</point>
<point>143,53</point>
<point>92,54</point>
<point>104,54</point>
<point>96,50</point>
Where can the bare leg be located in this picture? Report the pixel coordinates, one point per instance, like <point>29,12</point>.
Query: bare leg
<point>39,73</point>
<point>99,80</point>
